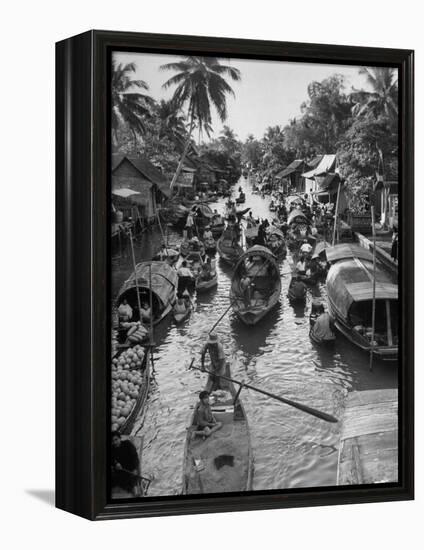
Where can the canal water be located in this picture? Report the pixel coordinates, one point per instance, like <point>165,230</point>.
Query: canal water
<point>291,449</point>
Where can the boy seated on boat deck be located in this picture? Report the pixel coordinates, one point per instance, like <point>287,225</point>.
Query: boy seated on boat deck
<point>125,464</point>
<point>204,421</point>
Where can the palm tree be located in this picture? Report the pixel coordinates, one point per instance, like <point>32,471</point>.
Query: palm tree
<point>129,107</point>
<point>383,99</point>
<point>199,85</point>
<point>171,122</point>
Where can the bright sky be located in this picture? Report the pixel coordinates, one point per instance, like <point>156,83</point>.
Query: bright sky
<point>269,93</point>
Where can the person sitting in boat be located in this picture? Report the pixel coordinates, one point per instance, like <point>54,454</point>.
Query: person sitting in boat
<point>125,464</point>
<point>207,235</point>
<point>195,244</point>
<point>246,287</point>
<point>322,329</point>
<point>301,266</point>
<point>217,218</point>
<point>185,276</point>
<point>206,270</point>
<point>217,357</point>
<point>125,311</point>
<point>297,288</point>
<point>205,422</point>
<point>145,312</point>
<point>305,249</point>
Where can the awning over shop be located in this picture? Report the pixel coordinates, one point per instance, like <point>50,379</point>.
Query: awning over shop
<point>124,193</point>
<point>326,165</point>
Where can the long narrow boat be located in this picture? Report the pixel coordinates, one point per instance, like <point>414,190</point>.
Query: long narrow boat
<point>127,380</point>
<point>276,243</point>
<point>141,483</point>
<point>260,265</point>
<point>228,246</point>
<point>223,462</point>
<point>203,285</point>
<point>350,296</point>
<point>181,317</point>
<point>157,278</point>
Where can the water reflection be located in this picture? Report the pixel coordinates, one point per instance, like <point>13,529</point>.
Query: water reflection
<point>291,449</point>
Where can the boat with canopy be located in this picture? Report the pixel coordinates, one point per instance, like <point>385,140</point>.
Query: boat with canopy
<point>350,300</point>
<point>156,284</point>
<point>253,302</point>
<point>228,245</point>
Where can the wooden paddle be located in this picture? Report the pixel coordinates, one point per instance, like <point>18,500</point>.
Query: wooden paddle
<point>295,404</point>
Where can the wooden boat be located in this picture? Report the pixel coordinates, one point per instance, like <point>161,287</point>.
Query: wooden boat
<point>164,281</point>
<point>140,403</point>
<point>209,245</point>
<point>142,483</point>
<point>241,199</point>
<point>203,285</point>
<point>228,246</point>
<point>181,317</point>
<point>217,228</point>
<point>260,265</point>
<point>276,243</point>
<point>346,251</point>
<point>188,247</point>
<point>350,296</point>
<point>294,297</point>
<point>223,462</point>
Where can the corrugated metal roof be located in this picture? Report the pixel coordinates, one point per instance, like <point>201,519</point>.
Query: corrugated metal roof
<point>326,164</point>
<point>345,251</point>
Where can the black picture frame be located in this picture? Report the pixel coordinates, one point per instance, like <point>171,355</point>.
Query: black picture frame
<point>82,217</point>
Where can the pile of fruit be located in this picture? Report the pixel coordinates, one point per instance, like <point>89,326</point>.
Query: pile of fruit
<point>127,380</point>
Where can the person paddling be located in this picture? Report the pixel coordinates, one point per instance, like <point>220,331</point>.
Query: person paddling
<point>217,357</point>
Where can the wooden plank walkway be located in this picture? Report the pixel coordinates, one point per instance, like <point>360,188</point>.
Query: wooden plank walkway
<point>368,451</point>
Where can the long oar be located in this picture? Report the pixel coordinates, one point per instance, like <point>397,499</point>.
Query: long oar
<point>295,404</point>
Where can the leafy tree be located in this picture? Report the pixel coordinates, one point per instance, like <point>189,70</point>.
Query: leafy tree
<point>130,108</point>
<point>383,99</point>
<point>200,83</point>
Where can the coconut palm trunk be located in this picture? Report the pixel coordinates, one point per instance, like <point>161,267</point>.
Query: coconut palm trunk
<point>184,154</point>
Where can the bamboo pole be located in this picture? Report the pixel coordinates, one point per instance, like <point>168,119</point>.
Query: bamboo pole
<point>135,271</point>
<point>151,315</point>
<point>295,404</point>
<point>373,289</point>
<point>336,213</point>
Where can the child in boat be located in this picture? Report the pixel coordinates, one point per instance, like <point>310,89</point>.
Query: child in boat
<point>205,422</point>
<point>145,312</point>
<point>125,311</point>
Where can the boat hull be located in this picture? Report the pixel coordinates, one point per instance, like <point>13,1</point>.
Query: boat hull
<point>225,456</point>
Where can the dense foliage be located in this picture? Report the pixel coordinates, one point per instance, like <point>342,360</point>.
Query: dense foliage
<point>360,127</point>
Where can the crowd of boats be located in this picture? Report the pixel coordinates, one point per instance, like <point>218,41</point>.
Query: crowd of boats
<point>361,305</point>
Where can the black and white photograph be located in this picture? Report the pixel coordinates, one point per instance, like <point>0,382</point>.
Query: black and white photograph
<point>254,245</point>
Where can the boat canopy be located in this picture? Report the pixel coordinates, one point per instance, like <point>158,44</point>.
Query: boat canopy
<point>320,247</point>
<point>326,165</point>
<point>164,280</point>
<point>347,251</point>
<point>258,250</point>
<point>294,214</point>
<point>277,232</point>
<point>204,209</point>
<point>351,281</point>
